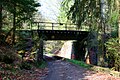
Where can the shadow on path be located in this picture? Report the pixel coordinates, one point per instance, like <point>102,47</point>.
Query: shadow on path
<point>62,70</point>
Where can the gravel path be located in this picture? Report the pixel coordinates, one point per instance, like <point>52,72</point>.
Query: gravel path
<point>62,70</point>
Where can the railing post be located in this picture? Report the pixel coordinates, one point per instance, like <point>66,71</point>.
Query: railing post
<point>38,26</point>
<point>31,26</point>
<point>31,29</point>
<point>52,25</point>
<point>65,26</point>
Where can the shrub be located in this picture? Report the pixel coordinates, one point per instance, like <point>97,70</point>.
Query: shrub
<point>26,65</point>
<point>40,64</point>
<point>113,53</point>
<point>8,55</point>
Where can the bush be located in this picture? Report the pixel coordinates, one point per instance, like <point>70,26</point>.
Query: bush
<point>26,65</point>
<point>41,64</point>
<point>113,53</point>
<point>8,55</point>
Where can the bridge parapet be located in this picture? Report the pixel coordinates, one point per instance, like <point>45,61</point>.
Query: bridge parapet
<point>53,26</point>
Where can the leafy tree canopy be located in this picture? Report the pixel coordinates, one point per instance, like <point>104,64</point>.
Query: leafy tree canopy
<point>82,10</point>
<point>24,9</point>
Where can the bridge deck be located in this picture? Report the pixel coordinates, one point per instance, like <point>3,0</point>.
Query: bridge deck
<point>60,34</point>
<point>57,31</point>
<point>63,34</point>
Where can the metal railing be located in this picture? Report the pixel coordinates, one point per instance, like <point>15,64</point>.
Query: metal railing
<point>53,26</point>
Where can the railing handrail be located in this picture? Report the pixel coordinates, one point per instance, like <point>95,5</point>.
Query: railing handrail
<point>54,23</point>
<point>65,25</point>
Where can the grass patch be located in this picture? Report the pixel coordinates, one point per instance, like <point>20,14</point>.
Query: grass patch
<point>80,63</point>
<point>41,64</point>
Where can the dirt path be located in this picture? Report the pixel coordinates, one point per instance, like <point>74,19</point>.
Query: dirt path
<point>62,70</point>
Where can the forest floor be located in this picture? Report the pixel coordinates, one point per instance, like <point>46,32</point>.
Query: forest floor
<point>13,67</point>
<point>10,72</point>
<point>63,70</point>
<point>55,70</point>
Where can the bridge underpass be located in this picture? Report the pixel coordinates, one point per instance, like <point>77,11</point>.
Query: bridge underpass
<point>53,32</point>
<point>68,34</point>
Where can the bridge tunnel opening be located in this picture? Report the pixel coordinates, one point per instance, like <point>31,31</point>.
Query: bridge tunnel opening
<point>71,49</point>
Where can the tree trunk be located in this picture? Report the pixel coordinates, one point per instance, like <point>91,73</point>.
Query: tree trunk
<point>14,24</point>
<point>40,51</point>
<point>0,17</point>
<point>119,30</point>
<point>118,7</point>
<point>8,33</point>
<point>103,26</point>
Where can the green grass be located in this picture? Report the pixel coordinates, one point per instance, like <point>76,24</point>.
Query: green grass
<point>41,64</point>
<point>80,63</point>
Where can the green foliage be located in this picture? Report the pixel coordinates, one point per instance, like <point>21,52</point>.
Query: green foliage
<point>23,9</point>
<point>80,63</point>
<point>113,17</point>
<point>27,45</point>
<point>114,33</point>
<point>22,40</point>
<point>113,13</point>
<point>83,11</point>
<point>18,13</point>
<point>41,64</point>
<point>113,53</point>
<point>92,39</point>
<point>62,18</point>
<point>26,65</point>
